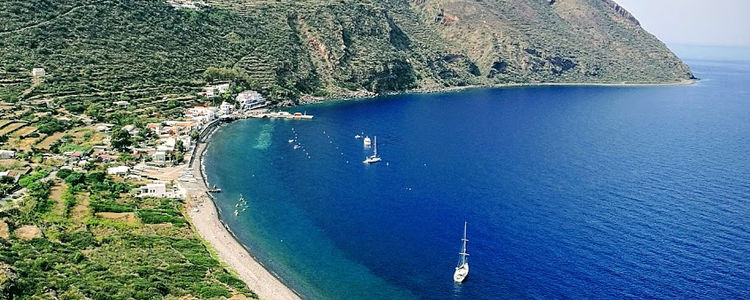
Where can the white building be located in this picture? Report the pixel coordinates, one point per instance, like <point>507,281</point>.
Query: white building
<point>6,154</point>
<point>121,170</point>
<point>225,108</point>
<point>248,99</point>
<point>202,114</point>
<point>159,156</point>
<point>130,129</point>
<point>159,190</point>
<point>104,127</point>
<point>38,72</point>
<point>215,90</point>
<point>167,146</point>
<point>186,140</point>
<point>201,120</point>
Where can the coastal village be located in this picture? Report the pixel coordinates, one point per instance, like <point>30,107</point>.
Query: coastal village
<point>119,167</point>
<point>152,155</point>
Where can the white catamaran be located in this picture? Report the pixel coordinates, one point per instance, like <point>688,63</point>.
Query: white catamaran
<point>462,270</point>
<point>374,157</point>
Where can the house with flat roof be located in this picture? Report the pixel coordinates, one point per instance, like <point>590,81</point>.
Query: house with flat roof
<point>38,72</point>
<point>118,171</point>
<point>159,157</point>
<point>215,90</point>
<point>225,108</point>
<point>7,154</point>
<point>250,99</point>
<point>159,190</point>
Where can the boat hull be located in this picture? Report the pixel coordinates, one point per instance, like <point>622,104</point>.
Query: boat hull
<point>461,273</point>
<point>372,160</point>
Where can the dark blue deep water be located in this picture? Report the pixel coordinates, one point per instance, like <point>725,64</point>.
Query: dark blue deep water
<point>569,192</point>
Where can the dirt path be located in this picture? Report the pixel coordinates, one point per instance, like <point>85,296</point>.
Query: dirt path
<point>45,22</point>
<point>56,195</point>
<point>80,211</point>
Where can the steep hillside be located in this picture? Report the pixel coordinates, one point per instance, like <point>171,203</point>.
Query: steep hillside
<point>151,51</point>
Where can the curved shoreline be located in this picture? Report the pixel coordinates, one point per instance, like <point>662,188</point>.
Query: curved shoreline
<point>430,90</point>
<point>206,219</point>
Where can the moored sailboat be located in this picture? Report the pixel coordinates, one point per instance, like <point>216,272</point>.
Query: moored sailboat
<point>374,157</point>
<point>462,270</point>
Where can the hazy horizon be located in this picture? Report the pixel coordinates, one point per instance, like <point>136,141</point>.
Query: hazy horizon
<point>702,23</point>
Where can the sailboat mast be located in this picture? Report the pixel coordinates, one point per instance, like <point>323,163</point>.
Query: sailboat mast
<point>464,239</point>
<point>463,246</point>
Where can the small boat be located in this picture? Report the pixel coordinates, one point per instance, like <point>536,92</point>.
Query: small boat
<point>367,141</point>
<point>374,157</point>
<point>462,270</point>
<point>358,136</point>
<point>299,115</point>
<point>235,212</point>
<point>214,189</point>
<point>296,147</point>
<point>291,141</point>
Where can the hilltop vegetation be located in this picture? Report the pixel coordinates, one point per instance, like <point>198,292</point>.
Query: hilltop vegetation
<point>150,52</point>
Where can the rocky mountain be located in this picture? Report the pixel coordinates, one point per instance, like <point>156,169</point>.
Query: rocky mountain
<point>160,50</point>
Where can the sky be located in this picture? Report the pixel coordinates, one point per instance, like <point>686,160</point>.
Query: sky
<point>694,22</point>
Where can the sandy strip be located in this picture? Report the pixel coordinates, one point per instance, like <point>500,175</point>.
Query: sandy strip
<point>206,221</point>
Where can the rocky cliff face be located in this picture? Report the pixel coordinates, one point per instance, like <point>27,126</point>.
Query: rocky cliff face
<point>396,45</point>
<point>292,48</point>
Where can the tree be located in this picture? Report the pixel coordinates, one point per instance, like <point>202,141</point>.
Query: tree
<point>126,157</point>
<point>178,157</point>
<point>75,178</point>
<point>62,173</point>
<point>94,177</point>
<point>95,111</point>
<point>48,125</point>
<point>121,139</point>
<point>38,189</point>
<point>179,146</point>
<point>7,179</point>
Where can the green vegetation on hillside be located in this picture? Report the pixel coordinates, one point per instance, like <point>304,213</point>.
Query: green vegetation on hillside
<point>81,236</point>
<point>150,53</point>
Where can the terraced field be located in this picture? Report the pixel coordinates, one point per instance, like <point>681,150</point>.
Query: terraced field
<point>23,131</point>
<point>10,128</point>
<point>47,142</point>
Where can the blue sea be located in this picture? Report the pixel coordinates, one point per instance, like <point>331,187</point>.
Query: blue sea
<point>569,192</point>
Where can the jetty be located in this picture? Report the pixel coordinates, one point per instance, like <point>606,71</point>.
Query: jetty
<point>284,115</point>
<point>262,114</point>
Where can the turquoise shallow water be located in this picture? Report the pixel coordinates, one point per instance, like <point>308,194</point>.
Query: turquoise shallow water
<point>570,192</point>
